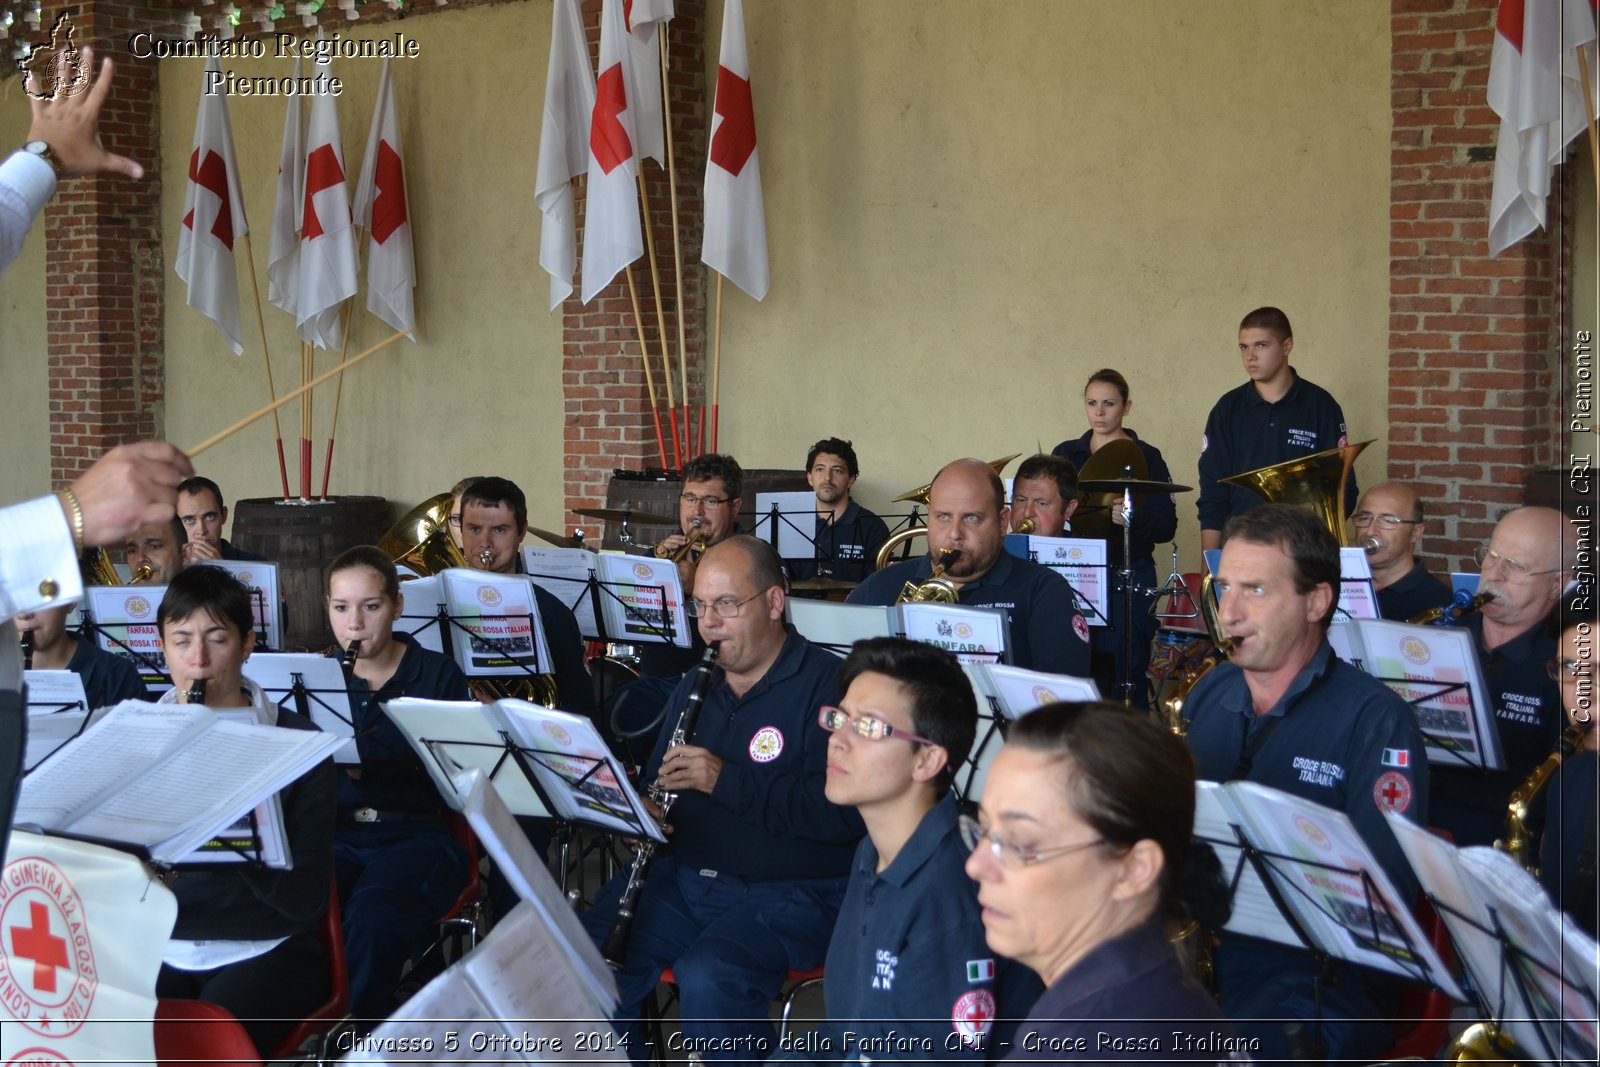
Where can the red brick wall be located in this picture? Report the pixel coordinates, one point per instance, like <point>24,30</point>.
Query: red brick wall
<point>1473,341</point>
<point>607,404</point>
<point>103,284</point>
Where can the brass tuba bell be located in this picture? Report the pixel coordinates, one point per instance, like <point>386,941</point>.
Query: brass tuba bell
<point>99,570</point>
<point>422,542</point>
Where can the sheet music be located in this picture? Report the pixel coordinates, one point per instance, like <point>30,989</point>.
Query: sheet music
<point>641,597</point>
<point>106,757</point>
<point>266,607</point>
<point>974,635</point>
<point>564,573</point>
<point>797,523</point>
<point>1254,912</point>
<point>240,842</point>
<point>53,692</point>
<point>414,1033</point>
<point>469,735</point>
<point>1082,562</point>
<point>1417,662</point>
<point>327,698</point>
<point>422,599</point>
<point>495,629</point>
<point>1357,598</point>
<point>46,733</point>
<point>127,614</point>
<point>1020,690</point>
<point>838,626</point>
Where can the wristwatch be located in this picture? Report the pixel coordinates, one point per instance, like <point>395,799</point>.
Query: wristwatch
<point>43,150</point>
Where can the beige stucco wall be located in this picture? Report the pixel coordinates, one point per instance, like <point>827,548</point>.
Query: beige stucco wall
<point>973,206</point>
<point>24,415</point>
<point>481,391</point>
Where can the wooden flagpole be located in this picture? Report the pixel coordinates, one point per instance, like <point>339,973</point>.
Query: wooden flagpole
<point>344,350</point>
<point>644,357</point>
<point>677,244</point>
<point>716,364</point>
<point>295,394</point>
<point>307,362</point>
<point>266,360</point>
<point>661,317</point>
<point>1588,110</point>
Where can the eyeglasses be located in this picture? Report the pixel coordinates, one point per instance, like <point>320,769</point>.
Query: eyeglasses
<point>455,520</point>
<point>1012,856</point>
<point>833,719</point>
<point>1388,522</point>
<point>710,503</point>
<point>1571,668</point>
<point>1485,556</point>
<point>724,607</point>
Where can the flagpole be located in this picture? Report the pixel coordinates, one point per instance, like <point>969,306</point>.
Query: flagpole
<point>303,390</point>
<point>1588,111</point>
<point>649,376</point>
<point>344,350</point>
<point>677,245</point>
<point>661,322</point>
<point>307,364</point>
<point>266,360</point>
<point>716,364</point>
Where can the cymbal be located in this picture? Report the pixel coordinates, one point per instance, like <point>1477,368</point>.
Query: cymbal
<point>626,515</point>
<point>559,540</point>
<point>822,585</point>
<point>1137,485</point>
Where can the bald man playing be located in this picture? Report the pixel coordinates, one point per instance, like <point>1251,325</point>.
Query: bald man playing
<point>967,515</point>
<point>1525,567</point>
<point>1388,524</point>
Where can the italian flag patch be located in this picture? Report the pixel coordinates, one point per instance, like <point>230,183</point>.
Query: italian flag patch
<point>980,970</point>
<point>1396,757</point>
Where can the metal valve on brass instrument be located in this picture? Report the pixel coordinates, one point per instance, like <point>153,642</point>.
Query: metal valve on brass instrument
<point>937,589</point>
<point>696,544</point>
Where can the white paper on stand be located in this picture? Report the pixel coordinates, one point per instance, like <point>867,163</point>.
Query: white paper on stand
<point>565,574</point>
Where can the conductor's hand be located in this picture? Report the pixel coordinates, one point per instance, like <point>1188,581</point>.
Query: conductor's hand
<point>197,550</point>
<point>128,487</point>
<point>689,767</point>
<point>69,122</point>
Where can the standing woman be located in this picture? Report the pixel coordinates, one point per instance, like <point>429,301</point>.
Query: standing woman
<point>1155,521</point>
<point>399,866</point>
<point>1086,864</point>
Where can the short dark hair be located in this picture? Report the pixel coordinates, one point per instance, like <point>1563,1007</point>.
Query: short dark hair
<point>943,708</point>
<point>493,492</point>
<point>717,465</point>
<point>1111,378</point>
<point>195,484</point>
<point>1131,781</point>
<point>835,446</point>
<point>1310,546</point>
<point>371,557</point>
<point>1057,468</point>
<point>1270,319</point>
<point>212,590</point>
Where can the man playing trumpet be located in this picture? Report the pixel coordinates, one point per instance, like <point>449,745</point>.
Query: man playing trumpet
<point>1388,526</point>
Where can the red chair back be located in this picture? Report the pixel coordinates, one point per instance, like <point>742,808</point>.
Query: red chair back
<point>331,933</point>
<point>197,1033</point>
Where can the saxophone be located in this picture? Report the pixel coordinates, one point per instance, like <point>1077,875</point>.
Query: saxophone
<point>1518,842</point>
<point>1451,614</point>
<point>615,949</point>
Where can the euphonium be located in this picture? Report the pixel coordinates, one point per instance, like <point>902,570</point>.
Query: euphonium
<point>936,589</point>
<point>894,542</point>
<point>1518,841</point>
<point>422,542</point>
<point>615,949</point>
<point>99,570</point>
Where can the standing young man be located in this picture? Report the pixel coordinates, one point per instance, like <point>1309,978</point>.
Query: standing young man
<point>1275,416</point>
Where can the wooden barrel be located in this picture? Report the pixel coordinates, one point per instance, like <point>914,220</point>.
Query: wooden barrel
<point>661,497</point>
<point>302,539</point>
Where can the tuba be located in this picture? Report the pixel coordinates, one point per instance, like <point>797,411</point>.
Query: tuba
<point>422,542</point>
<point>1316,482</point>
<point>99,570</point>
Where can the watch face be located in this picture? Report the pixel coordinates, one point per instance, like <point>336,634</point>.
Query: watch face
<point>38,148</point>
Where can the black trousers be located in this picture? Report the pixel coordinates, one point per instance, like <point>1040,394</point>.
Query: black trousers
<point>269,993</point>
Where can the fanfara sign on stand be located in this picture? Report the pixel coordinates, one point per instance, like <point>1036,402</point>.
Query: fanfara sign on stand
<point>82,930</point>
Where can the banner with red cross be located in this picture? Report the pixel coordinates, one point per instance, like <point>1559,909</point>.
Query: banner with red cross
<point>82,930</point>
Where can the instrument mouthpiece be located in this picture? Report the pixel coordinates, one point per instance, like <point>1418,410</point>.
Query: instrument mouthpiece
<point>1369,544</point>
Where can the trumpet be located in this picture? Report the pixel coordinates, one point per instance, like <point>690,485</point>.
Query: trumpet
<point>615,949</point>
<point>937,589</point>
<point>196,693</point>
<point>486,557</point>
<point>696,544</point>
<point>1026,526</point>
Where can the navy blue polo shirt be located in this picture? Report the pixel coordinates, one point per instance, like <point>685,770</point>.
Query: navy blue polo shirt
<point>1126,999</point>
<point>1245,433</point>
<point>1572,837</point>
<point>1413,594</point>
<point>1047,631</point>
<point>1343,739</point>
<point>766,819</point>
<point>392,776</point>
<point>849,546</point>
<point>1155,515</point>
<point>107,679</point>
<point>231,551</point>
<point>1471,803</point>
<point>908,958</point>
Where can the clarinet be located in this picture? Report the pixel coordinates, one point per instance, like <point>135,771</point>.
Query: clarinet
<point>347,662</point>
<point>197,692</point>
<point>615,949</point>
<point>27,650</point>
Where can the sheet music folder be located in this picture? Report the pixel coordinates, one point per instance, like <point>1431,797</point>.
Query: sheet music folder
<point>1301,876</point>
<point>543,763</point>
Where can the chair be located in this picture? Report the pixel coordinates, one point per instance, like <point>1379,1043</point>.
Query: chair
<point>337,1006</point>
<point>462,925</point>
<point>654,1012</point>
<point>197,1033</point>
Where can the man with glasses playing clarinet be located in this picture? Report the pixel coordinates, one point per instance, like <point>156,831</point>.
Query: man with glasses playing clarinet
<point>754,871</point>
<point>1524,568</point>
<point>1388,526</point>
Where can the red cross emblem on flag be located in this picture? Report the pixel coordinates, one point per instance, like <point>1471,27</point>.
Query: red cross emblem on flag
<point>735,139</point>
<point>322,172</point>
<point>212,174</point>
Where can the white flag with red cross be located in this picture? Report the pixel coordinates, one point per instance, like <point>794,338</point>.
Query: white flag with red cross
<point>612,237</point>
<point>283,253</point>
<point>327,239</point>
<point>735,242</point>
<point>213,215</point>
<point>382,210</point>
<point>563,147</point>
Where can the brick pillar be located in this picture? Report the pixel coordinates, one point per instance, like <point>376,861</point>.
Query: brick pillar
<point>103,262</point>
<point>607,406</point>
<point>1473,342</point>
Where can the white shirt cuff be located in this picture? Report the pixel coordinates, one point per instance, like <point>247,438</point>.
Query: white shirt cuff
<point>38,567</point>
<point>31,177</point>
